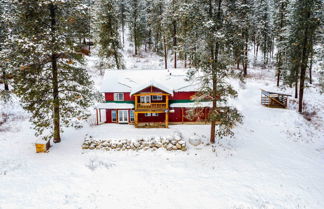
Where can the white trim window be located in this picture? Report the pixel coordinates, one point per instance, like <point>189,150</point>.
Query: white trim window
<point>155,114</point>
<point>131,115</point>
<point>114,116</point>
<point>122,116</point>
<point>157,98</point>
<point>147,114</point>
<point>145,99</point>
<point>118,96</point>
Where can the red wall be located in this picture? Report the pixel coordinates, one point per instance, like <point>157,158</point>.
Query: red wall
<point>177,95</point>
<point>179,115</point>
<point>183,95</point>
<point>143,118</point>
<point>110,96</point>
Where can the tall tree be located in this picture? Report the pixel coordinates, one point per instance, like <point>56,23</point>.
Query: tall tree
<point>4,37</point>
<point>107,22</point>
<point>281,22</point>
<point>51,85</point>
<point>305,21</point>
<point>212,63</point>
<point>264,28</point>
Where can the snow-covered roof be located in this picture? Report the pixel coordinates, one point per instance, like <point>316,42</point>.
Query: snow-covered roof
<point>135,80</point>
<point>192,104</point>
<point>151,83</point>
<point>114,105</point>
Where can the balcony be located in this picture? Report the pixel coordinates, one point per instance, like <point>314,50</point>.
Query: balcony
<point>151,106</point>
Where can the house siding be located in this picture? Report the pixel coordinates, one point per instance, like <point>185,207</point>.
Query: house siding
<point>178,116</point>
<point>109,96</point>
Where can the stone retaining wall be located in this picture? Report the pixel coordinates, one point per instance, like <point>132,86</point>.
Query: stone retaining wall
<point>168,143</point>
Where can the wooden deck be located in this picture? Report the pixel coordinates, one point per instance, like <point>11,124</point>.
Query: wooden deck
<point>273,99</point>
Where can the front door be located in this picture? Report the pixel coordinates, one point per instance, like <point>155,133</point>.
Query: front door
<point>122,116</point>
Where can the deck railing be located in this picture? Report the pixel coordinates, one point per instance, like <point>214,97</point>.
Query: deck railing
<point>149,106</point>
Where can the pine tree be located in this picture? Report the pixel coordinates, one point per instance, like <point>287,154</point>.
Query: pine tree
<point>107,22</point>
<point>49,81</point>
<point>280,30</point>
<point>305,21</point>
<point>264,28</point>
<point>137,24</point>
<point>212,62</point>
<point>4,46</point>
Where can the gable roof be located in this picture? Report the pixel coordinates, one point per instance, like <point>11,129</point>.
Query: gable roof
<point>135,80</point>
<point>151,83</point>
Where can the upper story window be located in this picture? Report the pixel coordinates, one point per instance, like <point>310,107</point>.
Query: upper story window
<point>118,96</point>
<point>157,97</point>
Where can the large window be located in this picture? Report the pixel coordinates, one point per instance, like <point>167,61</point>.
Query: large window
<point>157,98</point>
<point>145,99</point>
<point>118,96</point>
<point>122,116</point>
<point>113,116</point>
<point>131,115</point>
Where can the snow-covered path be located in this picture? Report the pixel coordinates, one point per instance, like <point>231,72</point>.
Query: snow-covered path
<point>275,160</point>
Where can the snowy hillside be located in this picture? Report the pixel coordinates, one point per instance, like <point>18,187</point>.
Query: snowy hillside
<point>55,57</point>
<point>274,161</point>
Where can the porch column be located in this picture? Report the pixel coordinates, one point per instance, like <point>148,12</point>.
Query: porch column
<point>136,119</point>
<point>97,117</point>
<point>136,101</point>
<point>167,119</point>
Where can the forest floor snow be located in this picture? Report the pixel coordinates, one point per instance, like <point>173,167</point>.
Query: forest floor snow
<point>274,161</point>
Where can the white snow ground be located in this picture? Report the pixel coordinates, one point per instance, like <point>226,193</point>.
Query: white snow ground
<point>275,161</point>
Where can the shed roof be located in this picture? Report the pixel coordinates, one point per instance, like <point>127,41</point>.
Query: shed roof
<point>135,80</point>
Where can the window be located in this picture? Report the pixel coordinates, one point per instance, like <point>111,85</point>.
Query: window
<point>123,116</point>
<point>131,115</point>
<point>157,97</point>
<point>145,99</point>
<point>113,116</point>
<point>155,114</point>
<point>147,114</point>
<point>118,96</point>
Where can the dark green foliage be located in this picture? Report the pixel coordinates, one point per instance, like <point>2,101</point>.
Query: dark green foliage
<point>108,25</point>
<point>47,54</point>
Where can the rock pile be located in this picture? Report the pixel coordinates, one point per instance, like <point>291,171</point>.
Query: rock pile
<point>169,143</point>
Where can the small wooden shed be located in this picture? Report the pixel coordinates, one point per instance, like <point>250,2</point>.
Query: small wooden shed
<point>274,99</point>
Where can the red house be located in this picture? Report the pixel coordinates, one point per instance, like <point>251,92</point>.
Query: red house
<point>149,98</point>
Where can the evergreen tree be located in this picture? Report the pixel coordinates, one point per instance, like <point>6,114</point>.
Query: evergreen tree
<point>280,30</point>
<point>305,21</point>
<point>49,81</point>
<point>264,28</point>
<point>108,33</point>
<point>4,45</point>
<point>212,62</point>
<point>137,24</point>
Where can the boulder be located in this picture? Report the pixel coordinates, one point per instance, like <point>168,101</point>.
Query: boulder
<point>195,140</point>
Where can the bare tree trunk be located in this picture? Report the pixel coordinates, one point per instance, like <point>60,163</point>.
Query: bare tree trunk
<point>165,53</point>
<point>5,80</point>
<point>303,68</point>
<point>296,85</point>
<point>311,66</point>
<point>56,100</point>
<point>245,59</point>
<point>214,55</point>
<point>175,43</point>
